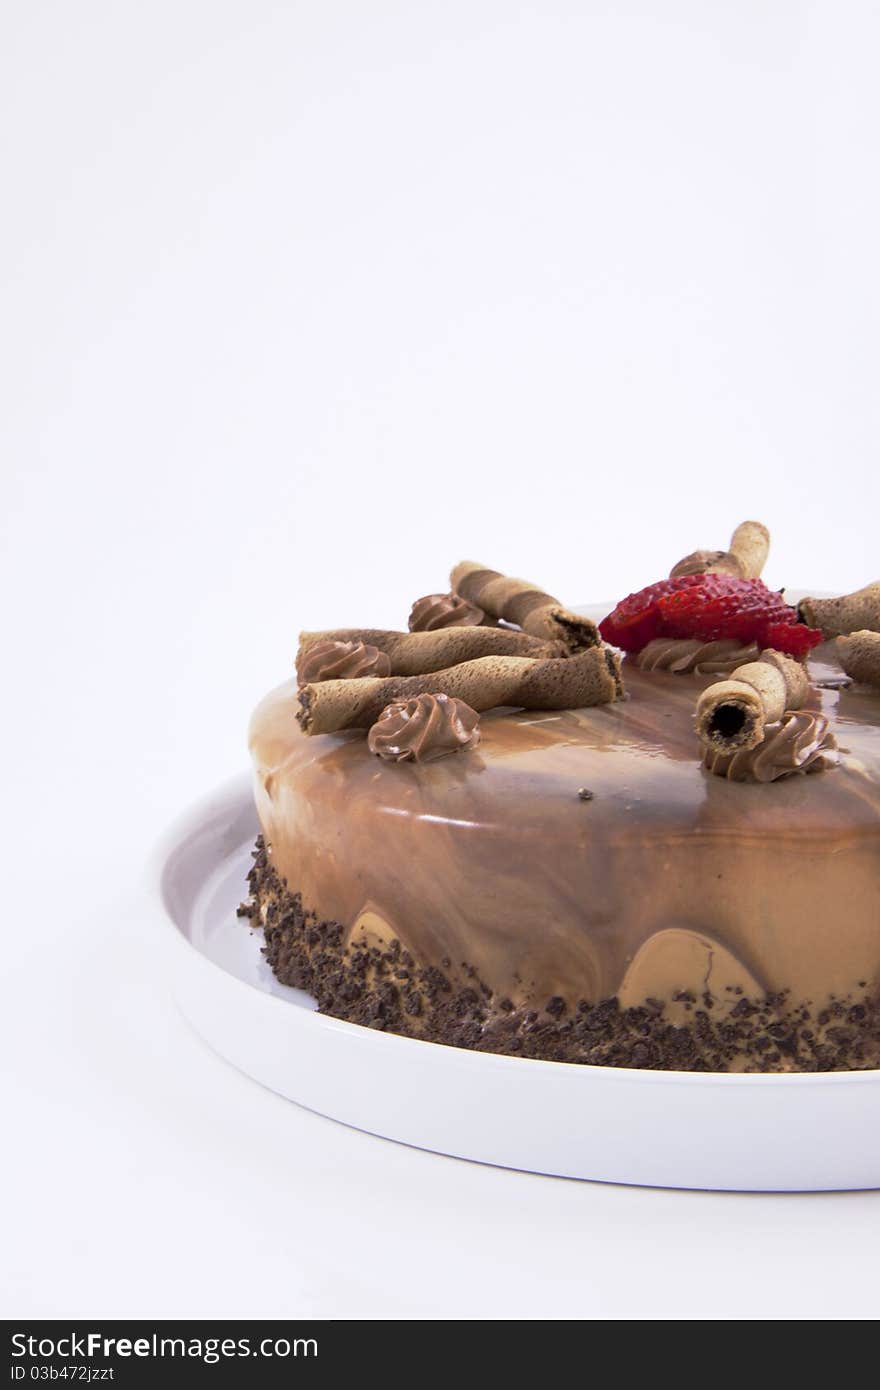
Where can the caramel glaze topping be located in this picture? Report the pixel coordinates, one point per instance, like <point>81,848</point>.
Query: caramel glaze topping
<point>665,878</point>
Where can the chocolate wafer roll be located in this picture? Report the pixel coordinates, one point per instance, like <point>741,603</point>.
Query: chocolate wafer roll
<point>746,557</point>
<point>516,601</point>
<point>732,714</point>
<point>684,655</point>
<point>859,655</point>
<point>750,546</point>
<point>836,617</point>
<point>591,677</point>
<point>413,653</point>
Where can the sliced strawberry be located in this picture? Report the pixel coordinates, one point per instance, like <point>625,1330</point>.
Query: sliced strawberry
<point>636,621</point>
<point>708,606</point>
<point>632,631</point>
<point>792,639</point>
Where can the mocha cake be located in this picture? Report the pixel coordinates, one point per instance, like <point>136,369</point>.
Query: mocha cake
<point>500,832</point>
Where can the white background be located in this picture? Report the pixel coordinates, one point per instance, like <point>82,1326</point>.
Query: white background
<point>302,303</point>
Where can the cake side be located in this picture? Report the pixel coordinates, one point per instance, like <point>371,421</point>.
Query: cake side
<point>583,860</point>
<point>380,985</point>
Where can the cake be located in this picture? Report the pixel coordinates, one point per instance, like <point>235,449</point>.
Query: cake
<point>594,878</point>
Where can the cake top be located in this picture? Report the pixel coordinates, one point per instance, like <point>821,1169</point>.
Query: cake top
<point>493,642</point>
<point>629,760</point>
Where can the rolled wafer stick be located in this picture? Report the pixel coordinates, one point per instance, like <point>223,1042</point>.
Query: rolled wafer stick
<point>706,562</point>
<point>413,653</point>
<point>750,545</point>
<point>746,557</point>
<point>836,617</point>
<point>732,714</point>
<point>859,655</point>
<point>591,677</point>
<point>516,601</point>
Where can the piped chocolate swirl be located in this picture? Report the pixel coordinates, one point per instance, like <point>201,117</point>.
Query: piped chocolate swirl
<point>424,728</point>
<point>340,661</point>
<point>692,656</point>
<point>443,610</point>
<point>800,743</point>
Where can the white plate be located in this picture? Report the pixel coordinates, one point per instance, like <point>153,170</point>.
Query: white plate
<point>664,1129</point>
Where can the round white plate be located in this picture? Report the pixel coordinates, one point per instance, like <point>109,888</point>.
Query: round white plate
<point>664,1129</point>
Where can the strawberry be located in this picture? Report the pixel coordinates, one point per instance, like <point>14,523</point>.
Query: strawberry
<point>708,606</point>
<point>793,639</point>
<point>636,619</point>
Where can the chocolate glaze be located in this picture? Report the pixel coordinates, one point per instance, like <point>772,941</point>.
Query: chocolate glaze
<point>668,878</point>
